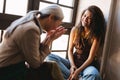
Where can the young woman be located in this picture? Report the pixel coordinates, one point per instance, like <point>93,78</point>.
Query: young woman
<point>86,38</point>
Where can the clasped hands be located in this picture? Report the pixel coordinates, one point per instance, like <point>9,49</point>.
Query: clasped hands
<point>54,34</point>
<point>73,74</point>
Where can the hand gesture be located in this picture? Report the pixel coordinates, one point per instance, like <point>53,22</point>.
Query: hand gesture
<point>54,34</point>
<point>74,75</point>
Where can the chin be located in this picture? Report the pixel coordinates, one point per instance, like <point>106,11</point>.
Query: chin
<point>84,24</point>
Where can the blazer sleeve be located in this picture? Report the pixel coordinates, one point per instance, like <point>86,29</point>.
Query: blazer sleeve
<point>33,51</point>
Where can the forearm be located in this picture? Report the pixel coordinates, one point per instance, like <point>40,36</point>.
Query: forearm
<point>93,50</point>
<point>84,65</point>
<point>47,41</point>
<point>44,51</point>
<point>34,52</point>
<point>71,59</point>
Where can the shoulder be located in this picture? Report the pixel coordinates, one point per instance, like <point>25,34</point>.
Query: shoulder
<point>29,26</point>
<point>74,28</point>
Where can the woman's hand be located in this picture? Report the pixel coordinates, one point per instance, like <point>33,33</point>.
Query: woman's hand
<point>72,69</point>
<point>73,75</point>
<point>54,34</point>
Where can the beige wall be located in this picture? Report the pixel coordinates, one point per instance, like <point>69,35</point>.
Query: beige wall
<point>111,57</point>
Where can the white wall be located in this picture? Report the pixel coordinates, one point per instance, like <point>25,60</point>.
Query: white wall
<point>104,5</point>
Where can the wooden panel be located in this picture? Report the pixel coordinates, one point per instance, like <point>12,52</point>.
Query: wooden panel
<point>6,19</point>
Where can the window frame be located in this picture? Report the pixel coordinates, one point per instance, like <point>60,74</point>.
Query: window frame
<point>34,5</point>
<point>6,19</point>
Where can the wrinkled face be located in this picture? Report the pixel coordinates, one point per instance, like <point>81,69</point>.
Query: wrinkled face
<point>52,24</point>
<point>86,18</point>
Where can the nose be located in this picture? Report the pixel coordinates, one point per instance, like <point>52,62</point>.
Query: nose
<point>86,19</point>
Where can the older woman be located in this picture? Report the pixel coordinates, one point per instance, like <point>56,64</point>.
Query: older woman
<point>22,42</point>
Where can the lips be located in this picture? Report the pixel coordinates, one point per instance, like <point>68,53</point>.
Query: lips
<point>85,22</point>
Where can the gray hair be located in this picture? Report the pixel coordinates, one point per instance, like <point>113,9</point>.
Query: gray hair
<point>30,16</point>
<point>53,9</point>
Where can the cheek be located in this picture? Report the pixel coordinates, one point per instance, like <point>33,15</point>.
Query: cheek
<point>89,21</point>
<point>56,24</point>
<point>53,26</point>
<point>82,20</point>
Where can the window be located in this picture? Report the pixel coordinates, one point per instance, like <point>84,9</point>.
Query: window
<point>19,7</point>
<point>60,43</point>
<point>55,1</point>
<point>67,8</point>
<point>67,2</point>
<point>10,11</point>
<point>67,14</point>
<point>0,35</point>
<point>60,46</point>
<point>43,5</point>
<point>66,11</point>
<point>1,6</point>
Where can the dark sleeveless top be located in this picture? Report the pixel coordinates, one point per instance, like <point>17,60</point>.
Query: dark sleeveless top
<point>82,51</point>
<point>82,45</point>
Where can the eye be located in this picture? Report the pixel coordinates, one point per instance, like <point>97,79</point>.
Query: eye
<point>89,18</point>
<point>84,15</point>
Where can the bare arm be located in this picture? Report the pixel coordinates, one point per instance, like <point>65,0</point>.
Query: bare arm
<point>70,52</point>
<point>90,58</point>
<point>71,47</point>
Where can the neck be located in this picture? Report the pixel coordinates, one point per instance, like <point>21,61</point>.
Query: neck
<point>86,30</point>
<point>43,24</point>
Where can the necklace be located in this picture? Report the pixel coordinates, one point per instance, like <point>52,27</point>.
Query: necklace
<point>86,34</point>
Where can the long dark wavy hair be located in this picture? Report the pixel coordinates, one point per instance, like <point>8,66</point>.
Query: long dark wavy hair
<point>97,26</point>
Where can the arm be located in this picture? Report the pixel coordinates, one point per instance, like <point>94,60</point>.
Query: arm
<point>90,58</point>
<point>70,52</point>
<point>53,34</point>
<point>34,51</point>
<point>71,48</point>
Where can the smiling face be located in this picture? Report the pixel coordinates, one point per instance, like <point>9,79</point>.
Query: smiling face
<point>86,18</point>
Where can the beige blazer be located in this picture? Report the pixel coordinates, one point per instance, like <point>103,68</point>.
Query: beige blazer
<point>23,45</point>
